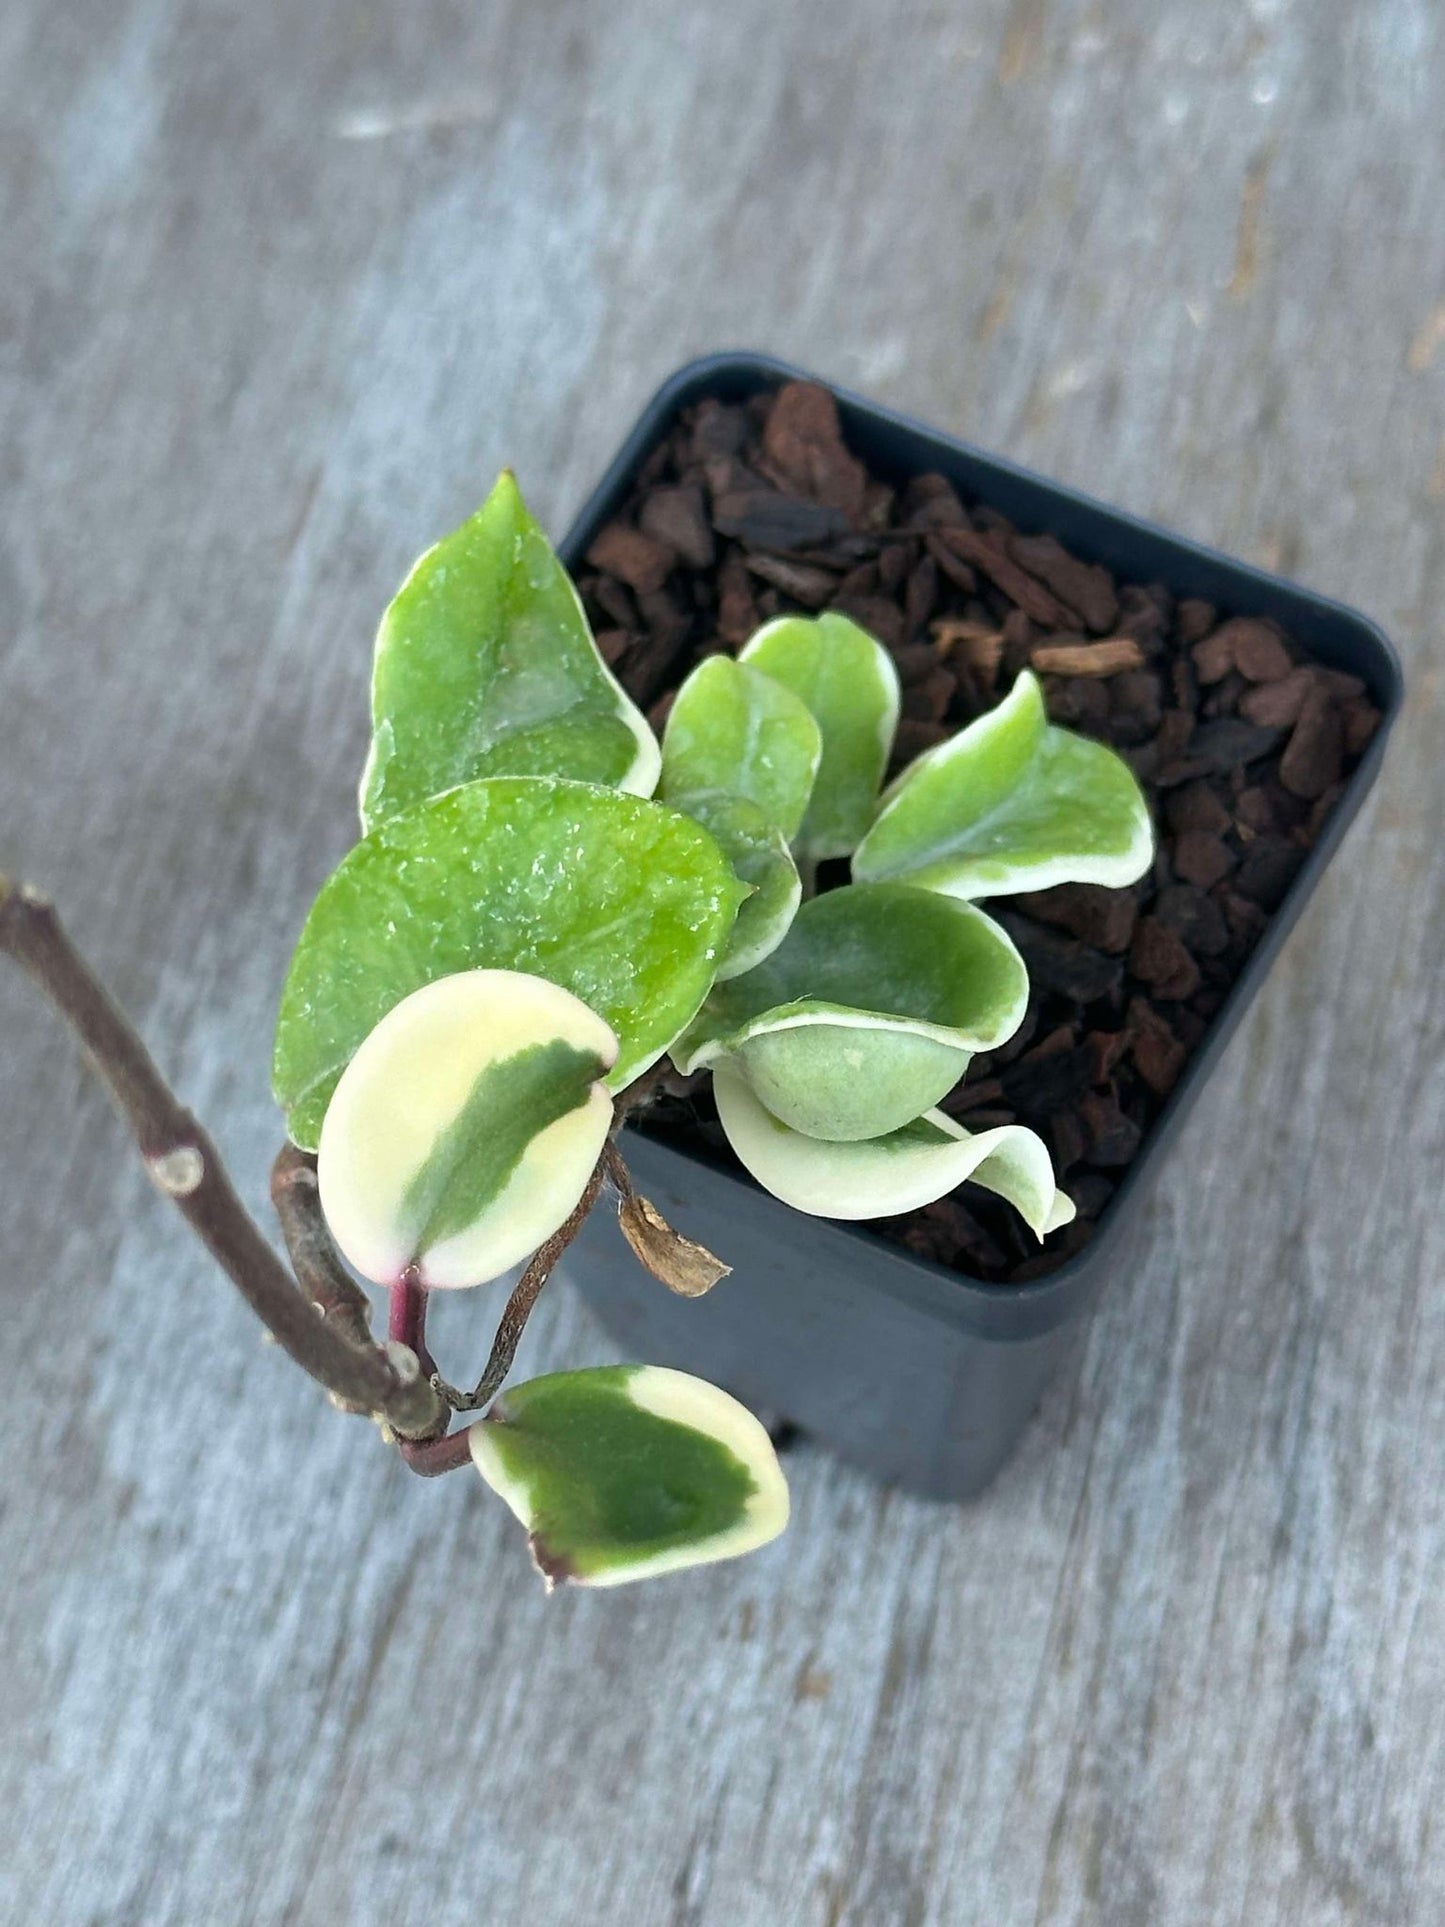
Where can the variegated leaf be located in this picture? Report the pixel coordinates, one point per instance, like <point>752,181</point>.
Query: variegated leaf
<point>1011,803</point>
<point>626,903</point>
<point>884,1177</point>
<point>465,1128</point>
<point>485,666</point>
<point>628,1471</point>
<point>867,1013</point>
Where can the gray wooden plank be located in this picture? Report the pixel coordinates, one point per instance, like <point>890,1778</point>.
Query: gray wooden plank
<point>283,288</point>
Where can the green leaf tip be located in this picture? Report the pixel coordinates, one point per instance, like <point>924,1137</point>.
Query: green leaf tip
<point>1011,803</point>
<point>626,1472</point>
<point>464,1130</point>
<point>623,902</point>
<point>485,666</point>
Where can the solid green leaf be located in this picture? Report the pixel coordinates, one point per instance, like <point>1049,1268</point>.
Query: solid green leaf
<point>885,1177</point>
<point>1011,803</point>
<point>465,1128</point>
<point>848,681</point>
<point>626,903</point>
<point>867,1012</point>
<point>627,1471</point>
<point>735,731</point>
<point>485,666</point>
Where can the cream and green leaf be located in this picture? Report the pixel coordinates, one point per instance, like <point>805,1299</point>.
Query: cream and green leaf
<point>867,1012</point>
<point>624,902</point>
<point>465,1128</point>
<point>739,754</point>
<point>485,666</point>
<point>848,682</point>
<point>889,1175</point>
<point>1011,803</point>
<point>627,1471</point>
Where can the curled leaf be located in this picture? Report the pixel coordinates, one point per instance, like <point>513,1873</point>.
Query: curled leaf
<point>680,1263</point>
<point>626,1471</point>
<point>867,1012</point>
<point>848,681</point>
<point>623,902</point>
<point>485,666</point>
<point>1010,803</point>
<point>465,1128</point>
<point>886,1176</point>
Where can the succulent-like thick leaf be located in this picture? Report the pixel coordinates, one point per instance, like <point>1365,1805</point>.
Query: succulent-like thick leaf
<point>761,859</point>
<point>465,1128</point>
<point>848,681</point>
<point>625,903</point>
<point>884,1177</point>
<point>867,1012</point>
<point>627,1471</point>
<point>1011,803</point>
<point>485,666</point>
<point>736,731</point>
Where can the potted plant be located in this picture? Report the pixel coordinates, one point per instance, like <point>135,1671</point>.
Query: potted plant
<point>560,919</point>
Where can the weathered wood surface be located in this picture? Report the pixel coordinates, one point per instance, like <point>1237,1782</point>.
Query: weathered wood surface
<point>283,286</point>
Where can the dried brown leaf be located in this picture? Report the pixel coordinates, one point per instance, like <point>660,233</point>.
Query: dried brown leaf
<point>682,1264</point>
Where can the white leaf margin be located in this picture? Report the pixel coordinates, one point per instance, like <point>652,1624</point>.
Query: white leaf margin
<point>887,1177</point>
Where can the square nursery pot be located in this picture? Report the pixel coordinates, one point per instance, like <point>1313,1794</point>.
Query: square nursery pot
<point>920,1375</point>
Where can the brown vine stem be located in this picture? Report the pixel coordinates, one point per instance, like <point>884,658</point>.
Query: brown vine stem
<point>186,1166</point>
<point>319,1270</point>
<point>524,1296</point>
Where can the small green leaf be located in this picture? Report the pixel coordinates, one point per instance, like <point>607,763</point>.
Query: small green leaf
<point>465,1128</point>
<point>627,1471</point>
<point>761,859</point>
<point>867,1012</point>
<point>736,731</point>
<point>625,903</point>
<point>485,666</point>
<point>884,1177</point>
<point>848,681</point>
<point>1011,803</point>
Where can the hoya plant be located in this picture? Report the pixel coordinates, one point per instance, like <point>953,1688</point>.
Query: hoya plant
<point>547,913</point>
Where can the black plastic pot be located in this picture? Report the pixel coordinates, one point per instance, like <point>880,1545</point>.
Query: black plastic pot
<point>922,1376</point>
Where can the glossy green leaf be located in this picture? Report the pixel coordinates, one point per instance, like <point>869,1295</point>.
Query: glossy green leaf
<point>884,1177</point>
<point>867,1012</point>
<point>848,681</point>
<point>485,666</point>
<point>628,1471</point>
<point>625,903</point>
<point>1011,803</point>
<point>735,731</point>
<point>465,1128</point>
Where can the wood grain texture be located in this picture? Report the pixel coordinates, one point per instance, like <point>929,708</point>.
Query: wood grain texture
<point>283,287</point>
